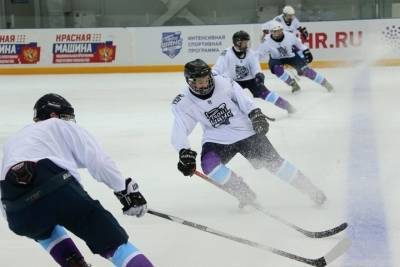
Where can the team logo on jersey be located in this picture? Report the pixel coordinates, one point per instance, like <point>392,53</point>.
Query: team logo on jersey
<point>219,116</point>
<point>241,72</point>
<point>391,35</point>
<point>171,43</point>
<point>283,51</point>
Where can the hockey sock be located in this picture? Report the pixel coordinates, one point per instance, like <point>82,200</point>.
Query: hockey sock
<point>289,173</point>
<point>280,72</point>
<point>226,178</point>
<point>220,174</point>
<point>315,76</point>
<point>60,246</point>
<point>127,255</point>
<point>233,184</point>
<point>275,99</point>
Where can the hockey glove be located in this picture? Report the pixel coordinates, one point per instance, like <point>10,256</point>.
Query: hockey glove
<point>134,204</point>
<point>259,121</point>
<point>187,161</point>
<point>308,56</point>
<point>303,31</point>
<point>260,77</point>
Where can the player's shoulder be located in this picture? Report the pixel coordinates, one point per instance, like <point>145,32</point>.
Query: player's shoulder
<point>50,123</point>
<point>279,18</point>
<point>250,53</point>
<point>225,51</point>
<point>222,81</point>
<point>60,126</point>
<point>181,99</point>
<point>290,35</point>
<point>178,99</point>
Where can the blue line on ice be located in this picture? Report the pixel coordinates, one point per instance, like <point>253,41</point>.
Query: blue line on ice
<point>365,210</point>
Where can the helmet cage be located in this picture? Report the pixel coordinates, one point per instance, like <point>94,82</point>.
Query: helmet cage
<point>193,83</point>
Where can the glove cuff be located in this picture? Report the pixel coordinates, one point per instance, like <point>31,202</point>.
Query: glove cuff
<point>254,113</point>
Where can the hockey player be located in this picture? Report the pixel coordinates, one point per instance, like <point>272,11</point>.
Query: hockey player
<point>241,64</point>
<point>41,192</point>
<point>289,22</point>
<point>279,47</point>
<point>231,124</point>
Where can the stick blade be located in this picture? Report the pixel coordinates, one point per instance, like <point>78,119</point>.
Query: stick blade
<point>338,250</point>
<point>327,233</point>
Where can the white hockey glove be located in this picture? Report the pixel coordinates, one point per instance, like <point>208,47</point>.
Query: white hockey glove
<point>134,204</point>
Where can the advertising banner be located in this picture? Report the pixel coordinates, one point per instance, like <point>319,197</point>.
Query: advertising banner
<point>18,48</point>
<point>146,49</point>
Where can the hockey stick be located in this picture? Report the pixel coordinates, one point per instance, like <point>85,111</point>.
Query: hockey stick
<point>307,233</point>
<point>332,255</point>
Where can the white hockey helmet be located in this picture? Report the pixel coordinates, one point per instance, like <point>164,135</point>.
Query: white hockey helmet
<point>275,26</point>
<point>288,10</point>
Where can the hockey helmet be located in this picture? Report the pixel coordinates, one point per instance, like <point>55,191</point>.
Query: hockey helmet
<point>53,104</point>
<point>240,40</point>
<point>199,77</point>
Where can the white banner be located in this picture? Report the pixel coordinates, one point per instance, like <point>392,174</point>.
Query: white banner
<point>175,45</point>
<point>339,40</point>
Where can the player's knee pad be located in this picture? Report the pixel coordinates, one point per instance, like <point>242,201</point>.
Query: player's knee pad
<point>213,167</point>
<point>272,97</point>
<point>278,70</point>
<point>123,254</point>
<point>209,161</point>
<point>287,171</point>
<point>220,174</point>
<point>59,234</point>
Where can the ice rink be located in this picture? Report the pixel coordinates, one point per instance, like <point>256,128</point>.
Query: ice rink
<point>345,141</point>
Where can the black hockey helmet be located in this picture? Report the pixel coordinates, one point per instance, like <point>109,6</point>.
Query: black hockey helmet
<point>53,103</point>
<point>237,39</point>
<point>199,77</point>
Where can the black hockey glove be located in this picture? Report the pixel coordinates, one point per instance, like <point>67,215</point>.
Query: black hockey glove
<point>187,161</point>
<point>303,31</point>
<point>260,77</point>
<point>308,56</point>
<point>134,203</point>
<point>259,121</point>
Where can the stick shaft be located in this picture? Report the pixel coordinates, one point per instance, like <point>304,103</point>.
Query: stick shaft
<point>305,232</point>
<point>207,229</point>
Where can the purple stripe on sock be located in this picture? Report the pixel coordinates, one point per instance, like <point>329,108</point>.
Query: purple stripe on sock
<point>310,73</point>
<point>209,161</point>
<point>61,251</point>
<point>139,261</point>
<point>282,103</point>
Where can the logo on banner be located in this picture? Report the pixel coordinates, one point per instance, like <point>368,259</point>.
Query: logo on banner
<point>14,49</point>
<point>171,43</point>
<point>82,48</point>
<point>391,35</point>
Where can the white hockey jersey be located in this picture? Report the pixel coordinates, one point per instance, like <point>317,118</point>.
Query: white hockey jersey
<point>223,116</point>
<point>229,65</point>
<point>282,49</point>
<point>66,144</point>
<point>293,27</point>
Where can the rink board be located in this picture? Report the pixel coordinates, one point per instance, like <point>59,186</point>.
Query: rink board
<point>167,49</point>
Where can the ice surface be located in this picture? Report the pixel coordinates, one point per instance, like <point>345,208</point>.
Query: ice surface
<point>130,115</point>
